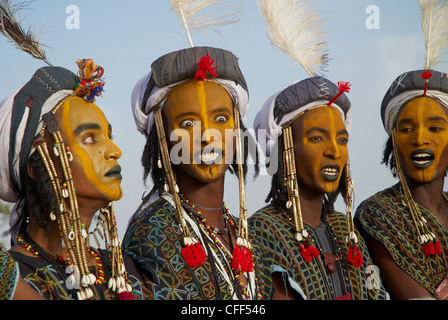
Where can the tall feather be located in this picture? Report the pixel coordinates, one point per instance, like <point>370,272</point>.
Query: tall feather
<point>11,28</point>
<point>191,19</point>
<point>296,29</point>
<point>435,30</point>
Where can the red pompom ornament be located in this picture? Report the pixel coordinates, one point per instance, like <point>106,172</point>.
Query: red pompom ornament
<point>354,257</point>
<point>205,66</point>
<point>308,252</point>
<point>125,295</point>
<point>426,75</point>
<point>344,87</point>
<point>432,249</point>
<point>242,259</point>
<point>194,254</point>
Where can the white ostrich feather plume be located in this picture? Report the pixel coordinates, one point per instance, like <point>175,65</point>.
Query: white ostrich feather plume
<point>197,15</point>
<point>297,30</point>
<point>435,30</point>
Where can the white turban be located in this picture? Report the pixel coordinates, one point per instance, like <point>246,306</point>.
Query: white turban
<point>7,192</point>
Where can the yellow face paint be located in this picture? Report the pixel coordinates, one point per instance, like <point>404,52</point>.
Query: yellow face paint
<point>320,149</point>
<point>200,115</point>
<point>422,139</point>
<point>87,132</point>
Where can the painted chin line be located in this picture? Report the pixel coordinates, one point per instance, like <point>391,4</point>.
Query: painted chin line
<point>331,172</point>
<point>422,158</point>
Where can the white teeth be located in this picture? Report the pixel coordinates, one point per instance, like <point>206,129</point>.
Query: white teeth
<point>209,157</point>
<point>330,171</point>
<point>421,155</point>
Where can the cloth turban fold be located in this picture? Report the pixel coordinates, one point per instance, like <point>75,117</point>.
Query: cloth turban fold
<point>21,119</point>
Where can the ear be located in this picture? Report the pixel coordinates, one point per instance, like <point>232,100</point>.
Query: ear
<point>31,172</point>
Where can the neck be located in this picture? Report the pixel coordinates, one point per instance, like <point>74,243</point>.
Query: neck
<point>50,240</point>
<point>428,195</point>
<point>311,206</point>
<point>208,195</point>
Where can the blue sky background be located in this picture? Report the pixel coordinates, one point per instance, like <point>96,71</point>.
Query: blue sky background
<point>125,37</point>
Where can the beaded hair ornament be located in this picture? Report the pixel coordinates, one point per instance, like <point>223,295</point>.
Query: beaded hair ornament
<point>295,29</point>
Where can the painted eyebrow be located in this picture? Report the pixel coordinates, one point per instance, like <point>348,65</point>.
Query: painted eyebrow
<point>433,118</point>
<point>324,131</point>
<point>437,118</point>
<point>184,114</point>
<point>87,126</point>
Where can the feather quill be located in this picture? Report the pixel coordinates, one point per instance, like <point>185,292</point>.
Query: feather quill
<point>11,28</point>
<point>435,30</point>
<point>296,29</point>
<point>196,15</point>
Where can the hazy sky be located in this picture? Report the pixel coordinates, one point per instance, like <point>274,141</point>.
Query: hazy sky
<point>125,37</point>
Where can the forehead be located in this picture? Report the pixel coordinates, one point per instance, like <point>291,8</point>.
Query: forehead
<point>192,95</point>
<point>77,111</point>
<point>422,107</point>
<point>323,117</point>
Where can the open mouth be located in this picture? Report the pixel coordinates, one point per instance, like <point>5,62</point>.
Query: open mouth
<point>331,172</point>
<point>208,157</point>
<point>115,172</point>
<point>422,158</point>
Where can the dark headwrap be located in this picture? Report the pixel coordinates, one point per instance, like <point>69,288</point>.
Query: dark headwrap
<point>411,85</point>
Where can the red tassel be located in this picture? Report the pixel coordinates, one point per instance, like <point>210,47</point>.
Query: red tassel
<point>305,253</point>
<point>205,65</point>
<point>354,256</point>
<point>426,75</point>
<point>242,259</point>
<point>344,87</point>
<point>194,255</point>
<point>314,253</point>
<point>432,249</point>
<point>125,295</point>
<point>437,247</point>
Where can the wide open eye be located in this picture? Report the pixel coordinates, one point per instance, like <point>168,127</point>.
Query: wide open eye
<point>221,119</point>
<point>187,124</point>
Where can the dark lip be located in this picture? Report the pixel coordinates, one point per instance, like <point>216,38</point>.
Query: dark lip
<point>328,177</point>
<point>425,165</point>
<point>115,172</point>
<point>197,156</point>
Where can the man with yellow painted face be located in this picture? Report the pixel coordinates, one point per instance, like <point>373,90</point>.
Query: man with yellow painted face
<point>314,252</point>
<point>406,225</point>
<point>190,108</point>
<point>60,166</point>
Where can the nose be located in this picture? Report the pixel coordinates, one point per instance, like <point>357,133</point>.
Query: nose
<point>332,149</point>
<point>207,136</point>
<point>112,151</point>
<point>420,137</point>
